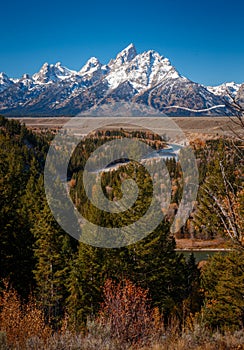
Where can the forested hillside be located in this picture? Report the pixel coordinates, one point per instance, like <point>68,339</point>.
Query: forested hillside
<point>85,290</point>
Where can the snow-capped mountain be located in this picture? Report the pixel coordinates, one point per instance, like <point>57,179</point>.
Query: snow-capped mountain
<point>240,96</point>
<point>228,90</point>
<point>141,71</point>
<point>52,73</point>
<point>5,82</point>
<point>147,79</point>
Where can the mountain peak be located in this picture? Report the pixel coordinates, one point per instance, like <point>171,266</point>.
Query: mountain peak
<point>126,55</point>
<point>228,90</point>
<point>58,64</point>
<point>3,76</point>
<point>91,65</point>
<point>45,66</point>
<point>52,73</point>
<point>129,47</point>
<point>5,82</point>
<point>25,76</point>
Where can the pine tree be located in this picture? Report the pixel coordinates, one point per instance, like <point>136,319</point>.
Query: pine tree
<point>54,254</point>
<point>223,284</point>
<point>84,285</point>
<point>16,255</point>
<point>157,267</point>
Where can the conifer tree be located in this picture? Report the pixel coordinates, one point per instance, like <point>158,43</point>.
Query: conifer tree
<point>223,284</point>
<point>54,254</point>
<point>16,240</point>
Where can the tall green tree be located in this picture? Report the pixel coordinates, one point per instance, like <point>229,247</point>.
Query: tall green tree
<point>54,251</point>
<point>223,284</point>
<point>18,147</point>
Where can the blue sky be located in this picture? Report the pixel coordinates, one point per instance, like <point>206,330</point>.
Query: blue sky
<point>203,39</point>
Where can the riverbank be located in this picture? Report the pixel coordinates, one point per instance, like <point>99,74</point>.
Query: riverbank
<point>201,244</point>
<point>202,249</point>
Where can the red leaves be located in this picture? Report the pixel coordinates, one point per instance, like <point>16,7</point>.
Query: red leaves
<point>127,311</point>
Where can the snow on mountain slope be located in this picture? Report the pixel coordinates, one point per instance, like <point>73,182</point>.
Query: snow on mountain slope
<point>50,73</point>
<point>92,71</point>
<point>123,57</point>
<point>240,95</point>
<point>5,82</point>
<point>142,70</point>
<point>180,96</point>
<point>90,67</point>
<point>226,90</point>
<point>147,79</point>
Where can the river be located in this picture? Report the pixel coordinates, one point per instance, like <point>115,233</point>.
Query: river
<point>202,254</point>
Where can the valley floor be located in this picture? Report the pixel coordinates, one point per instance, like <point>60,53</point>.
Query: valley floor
<point>194,127</point>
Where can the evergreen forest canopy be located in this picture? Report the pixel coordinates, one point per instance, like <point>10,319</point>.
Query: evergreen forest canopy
<point>66,277</point>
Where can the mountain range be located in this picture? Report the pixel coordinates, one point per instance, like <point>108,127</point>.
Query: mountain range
<point>146,81</point>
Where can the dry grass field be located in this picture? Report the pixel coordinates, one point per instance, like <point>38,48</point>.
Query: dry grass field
<point>193,127</point>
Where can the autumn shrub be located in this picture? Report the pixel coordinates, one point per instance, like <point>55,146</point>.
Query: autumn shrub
<point>126,311</point>
<point>20,321</point>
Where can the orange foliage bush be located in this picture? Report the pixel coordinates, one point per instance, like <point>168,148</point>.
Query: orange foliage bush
<point>126,310</point>
<point>21,321</point>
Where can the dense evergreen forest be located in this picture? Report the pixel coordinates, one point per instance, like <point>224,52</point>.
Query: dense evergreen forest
<point>140,291</point>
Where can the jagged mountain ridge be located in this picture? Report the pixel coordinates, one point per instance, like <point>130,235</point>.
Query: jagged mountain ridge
<point>227,90</point>
<point>146,79</point>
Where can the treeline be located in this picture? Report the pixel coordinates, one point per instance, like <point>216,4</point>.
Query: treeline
<point>66,277</point>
